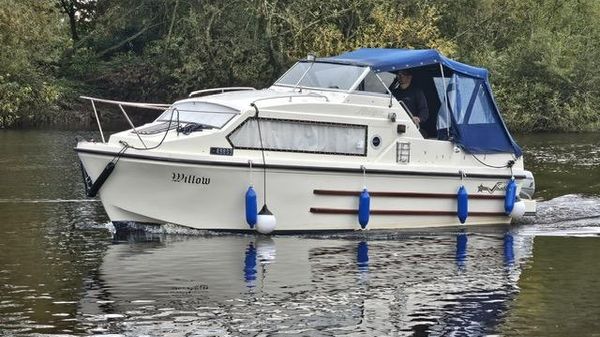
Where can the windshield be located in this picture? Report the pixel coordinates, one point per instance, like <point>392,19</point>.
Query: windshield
<point>321,75</point>
<point>209,114</point>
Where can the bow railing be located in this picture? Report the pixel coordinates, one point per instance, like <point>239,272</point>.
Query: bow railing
<point>121,104</point>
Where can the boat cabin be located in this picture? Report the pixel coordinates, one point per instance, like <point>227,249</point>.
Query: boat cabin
<point>337,105</point>
<point>459,100</point>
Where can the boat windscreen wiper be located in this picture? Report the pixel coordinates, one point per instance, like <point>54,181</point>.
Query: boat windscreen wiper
<point>193,127</point>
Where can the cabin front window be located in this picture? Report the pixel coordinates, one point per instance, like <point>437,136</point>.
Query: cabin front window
<point>209,114</point>
<point>301,136</point>
<point>321,75</point>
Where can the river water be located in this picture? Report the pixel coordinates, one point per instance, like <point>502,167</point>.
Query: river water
<point>63,273</point>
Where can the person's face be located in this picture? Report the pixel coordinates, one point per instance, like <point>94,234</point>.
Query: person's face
<point>404,79</point>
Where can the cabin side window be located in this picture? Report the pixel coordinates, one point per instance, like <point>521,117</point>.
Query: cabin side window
<point>301,136</point>
<point>372,84</point>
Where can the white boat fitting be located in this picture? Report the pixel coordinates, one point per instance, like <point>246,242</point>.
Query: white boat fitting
<point>327,147</point>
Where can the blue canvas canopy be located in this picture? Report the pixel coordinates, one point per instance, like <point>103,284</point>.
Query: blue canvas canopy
<point>470,114</point>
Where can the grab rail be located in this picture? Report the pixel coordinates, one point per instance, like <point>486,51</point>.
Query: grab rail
<point>153,106</point>
<point>222,90</point>
<point>156,106</point>
<point>313,95</point>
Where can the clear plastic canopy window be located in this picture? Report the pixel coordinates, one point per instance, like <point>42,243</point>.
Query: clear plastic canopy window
<point>471,114</point>
<point>321,75</point>
<point>467,101</point>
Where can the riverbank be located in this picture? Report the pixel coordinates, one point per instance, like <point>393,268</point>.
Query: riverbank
<point>79,115</point>
<point>544,69</point>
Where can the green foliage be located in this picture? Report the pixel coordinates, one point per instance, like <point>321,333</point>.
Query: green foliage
<point>383,25</point>
<point>544,58</point>
<point>544,55</point>
<point>32,40</point>
<point>173,47</point>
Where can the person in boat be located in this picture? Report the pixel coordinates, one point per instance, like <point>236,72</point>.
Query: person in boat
<point>412,96</point>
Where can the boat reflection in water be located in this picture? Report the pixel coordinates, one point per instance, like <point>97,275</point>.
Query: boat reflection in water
<point>380,284</point>
<point>461,250</point>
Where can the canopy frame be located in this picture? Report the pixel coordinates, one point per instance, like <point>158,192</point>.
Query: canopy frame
<point>466,135</point>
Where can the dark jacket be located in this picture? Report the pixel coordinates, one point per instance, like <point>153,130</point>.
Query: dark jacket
<point>414,99</point>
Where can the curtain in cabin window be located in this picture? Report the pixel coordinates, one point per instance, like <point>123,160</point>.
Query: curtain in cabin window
<point>301,136</point>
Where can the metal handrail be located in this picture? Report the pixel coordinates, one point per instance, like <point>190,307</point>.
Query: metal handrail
<point>153,106</point>
<point>311,95</point>
<point>222,90</point>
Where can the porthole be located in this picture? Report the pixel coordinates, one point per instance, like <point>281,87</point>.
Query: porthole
<point>376,142</point>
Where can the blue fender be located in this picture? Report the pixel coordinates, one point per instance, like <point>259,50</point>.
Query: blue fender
<point>364,208</point>
<point>251,207</point>
<point>462,206</point>
<point>510,196</point>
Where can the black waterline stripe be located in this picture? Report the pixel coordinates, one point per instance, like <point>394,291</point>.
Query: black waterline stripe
<point>298,168</point>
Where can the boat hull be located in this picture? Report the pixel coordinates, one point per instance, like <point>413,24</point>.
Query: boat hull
<point>206,195</point>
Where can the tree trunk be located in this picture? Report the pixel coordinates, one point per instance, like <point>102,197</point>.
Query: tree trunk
<point>68,7</point>
<point>73,23</point>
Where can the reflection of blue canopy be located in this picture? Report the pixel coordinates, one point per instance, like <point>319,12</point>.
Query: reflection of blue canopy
<point>475,122</point>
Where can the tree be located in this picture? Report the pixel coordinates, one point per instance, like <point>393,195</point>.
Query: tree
<point>79,12</point>
<point>544,55</point>
<point>32,39</point>
<point>149,49</point>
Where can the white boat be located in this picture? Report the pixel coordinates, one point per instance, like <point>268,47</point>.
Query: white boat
<point>325,132</point>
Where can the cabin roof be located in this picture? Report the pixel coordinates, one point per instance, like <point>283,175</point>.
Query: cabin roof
<point>472,118</point>
<point>384,59</point>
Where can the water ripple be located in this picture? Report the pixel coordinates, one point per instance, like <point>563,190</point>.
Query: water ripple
<point>46,201</point>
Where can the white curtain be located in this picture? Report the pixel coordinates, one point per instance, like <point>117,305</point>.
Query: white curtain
<point>301,136</point>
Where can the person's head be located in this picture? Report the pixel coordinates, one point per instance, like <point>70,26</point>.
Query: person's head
<point>404,78</point>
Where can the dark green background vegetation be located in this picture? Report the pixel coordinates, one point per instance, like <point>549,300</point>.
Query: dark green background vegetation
<point>543,55</point>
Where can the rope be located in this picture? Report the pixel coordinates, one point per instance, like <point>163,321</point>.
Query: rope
<point>116,158</point>
<point>164,136</point>
<point>509,164</point>
<point>262,152</point>
<point>364,170</point>
<point>250,173</point>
